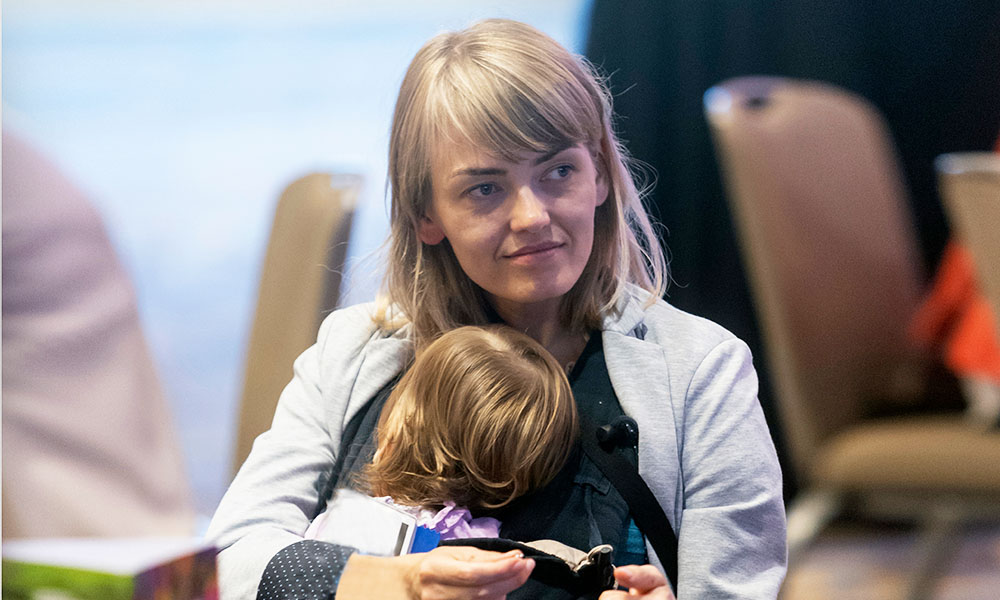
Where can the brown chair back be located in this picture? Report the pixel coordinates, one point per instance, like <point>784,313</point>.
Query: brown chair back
<point>299,284</point>
<point>821,213</point>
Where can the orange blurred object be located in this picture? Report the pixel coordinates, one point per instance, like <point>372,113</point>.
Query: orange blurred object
<point>956,320</point>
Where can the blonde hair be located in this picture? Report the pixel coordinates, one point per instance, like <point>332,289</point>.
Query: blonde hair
<point>483,416</point>
<point>508,88</point>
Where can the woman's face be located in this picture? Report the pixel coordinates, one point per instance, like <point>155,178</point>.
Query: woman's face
<point>521,230</point>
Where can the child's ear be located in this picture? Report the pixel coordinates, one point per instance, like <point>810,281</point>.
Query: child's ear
<point>429,232</point>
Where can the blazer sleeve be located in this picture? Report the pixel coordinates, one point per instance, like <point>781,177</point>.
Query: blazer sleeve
<point>274,496</point>
<point>732,536</point>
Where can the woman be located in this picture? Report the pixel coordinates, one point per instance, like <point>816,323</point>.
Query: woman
<point>512,203</point>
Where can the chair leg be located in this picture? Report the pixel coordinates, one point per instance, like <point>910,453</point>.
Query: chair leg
<point>807,517</point>
<point>935,551</point>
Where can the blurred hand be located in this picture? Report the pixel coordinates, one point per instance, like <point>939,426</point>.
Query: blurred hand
<point>645,581</point>
<point>460,572</point>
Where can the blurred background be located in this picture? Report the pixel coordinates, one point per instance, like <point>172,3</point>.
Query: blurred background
<point>182,122</point>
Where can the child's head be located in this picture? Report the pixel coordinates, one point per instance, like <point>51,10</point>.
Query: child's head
<point>484,415</point>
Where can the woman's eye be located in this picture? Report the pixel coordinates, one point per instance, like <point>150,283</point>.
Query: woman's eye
<point>561,172</point>
<point>484,189</point>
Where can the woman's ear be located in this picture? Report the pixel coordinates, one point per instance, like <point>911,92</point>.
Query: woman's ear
<point>601,173</point>
<point>602,182</point>
<point>602,187</point>
<point>429,232</point>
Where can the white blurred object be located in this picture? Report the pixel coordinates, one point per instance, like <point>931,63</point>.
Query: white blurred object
<point>122,556</point>
<point>983,398</point>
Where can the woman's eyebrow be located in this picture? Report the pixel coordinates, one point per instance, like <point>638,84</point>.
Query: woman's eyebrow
<point>476,171</point>
<point>551,153</point>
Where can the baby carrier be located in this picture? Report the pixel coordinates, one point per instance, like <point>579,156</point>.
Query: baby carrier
<point>561,572</point>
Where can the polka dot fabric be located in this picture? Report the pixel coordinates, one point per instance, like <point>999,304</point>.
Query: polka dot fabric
<point>306,570</point>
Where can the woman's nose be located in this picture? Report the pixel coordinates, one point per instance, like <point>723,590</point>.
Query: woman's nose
<point>529,212</point>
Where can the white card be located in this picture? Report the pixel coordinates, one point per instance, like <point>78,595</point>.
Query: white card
<point>370,525</point>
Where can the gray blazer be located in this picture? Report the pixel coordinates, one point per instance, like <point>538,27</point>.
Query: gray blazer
<point>704,449</point>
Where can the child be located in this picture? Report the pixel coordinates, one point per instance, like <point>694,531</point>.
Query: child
<point>485,415</point>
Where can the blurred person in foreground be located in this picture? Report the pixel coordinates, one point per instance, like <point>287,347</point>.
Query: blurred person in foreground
<point>88,444</point>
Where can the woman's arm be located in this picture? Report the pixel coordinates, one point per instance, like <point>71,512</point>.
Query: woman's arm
<point>261,520</point>
<point>275,494</point>
<point>314,570</point>
<point>732,533</point>
<point>269,505</point>
<point>445,573</point>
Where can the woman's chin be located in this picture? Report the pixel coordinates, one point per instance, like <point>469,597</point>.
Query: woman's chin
<point>532,295</point>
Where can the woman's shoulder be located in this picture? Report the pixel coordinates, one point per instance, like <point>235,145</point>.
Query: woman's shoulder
<point>667,323</point>
<point>657,321</point>
<point>651,335</point>
<point>363,322</point>
<point>357,352</point>
<point>355,331</point>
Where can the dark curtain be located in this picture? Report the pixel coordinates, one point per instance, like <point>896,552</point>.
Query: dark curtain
<point>932,68</point>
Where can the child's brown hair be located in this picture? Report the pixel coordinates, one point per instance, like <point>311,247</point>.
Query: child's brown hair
<point>484,415</point>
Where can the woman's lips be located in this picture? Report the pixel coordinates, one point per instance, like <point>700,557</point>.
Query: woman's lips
<point>534,251</point>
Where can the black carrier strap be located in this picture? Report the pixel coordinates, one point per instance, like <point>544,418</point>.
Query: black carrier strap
<point>644,507</point>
